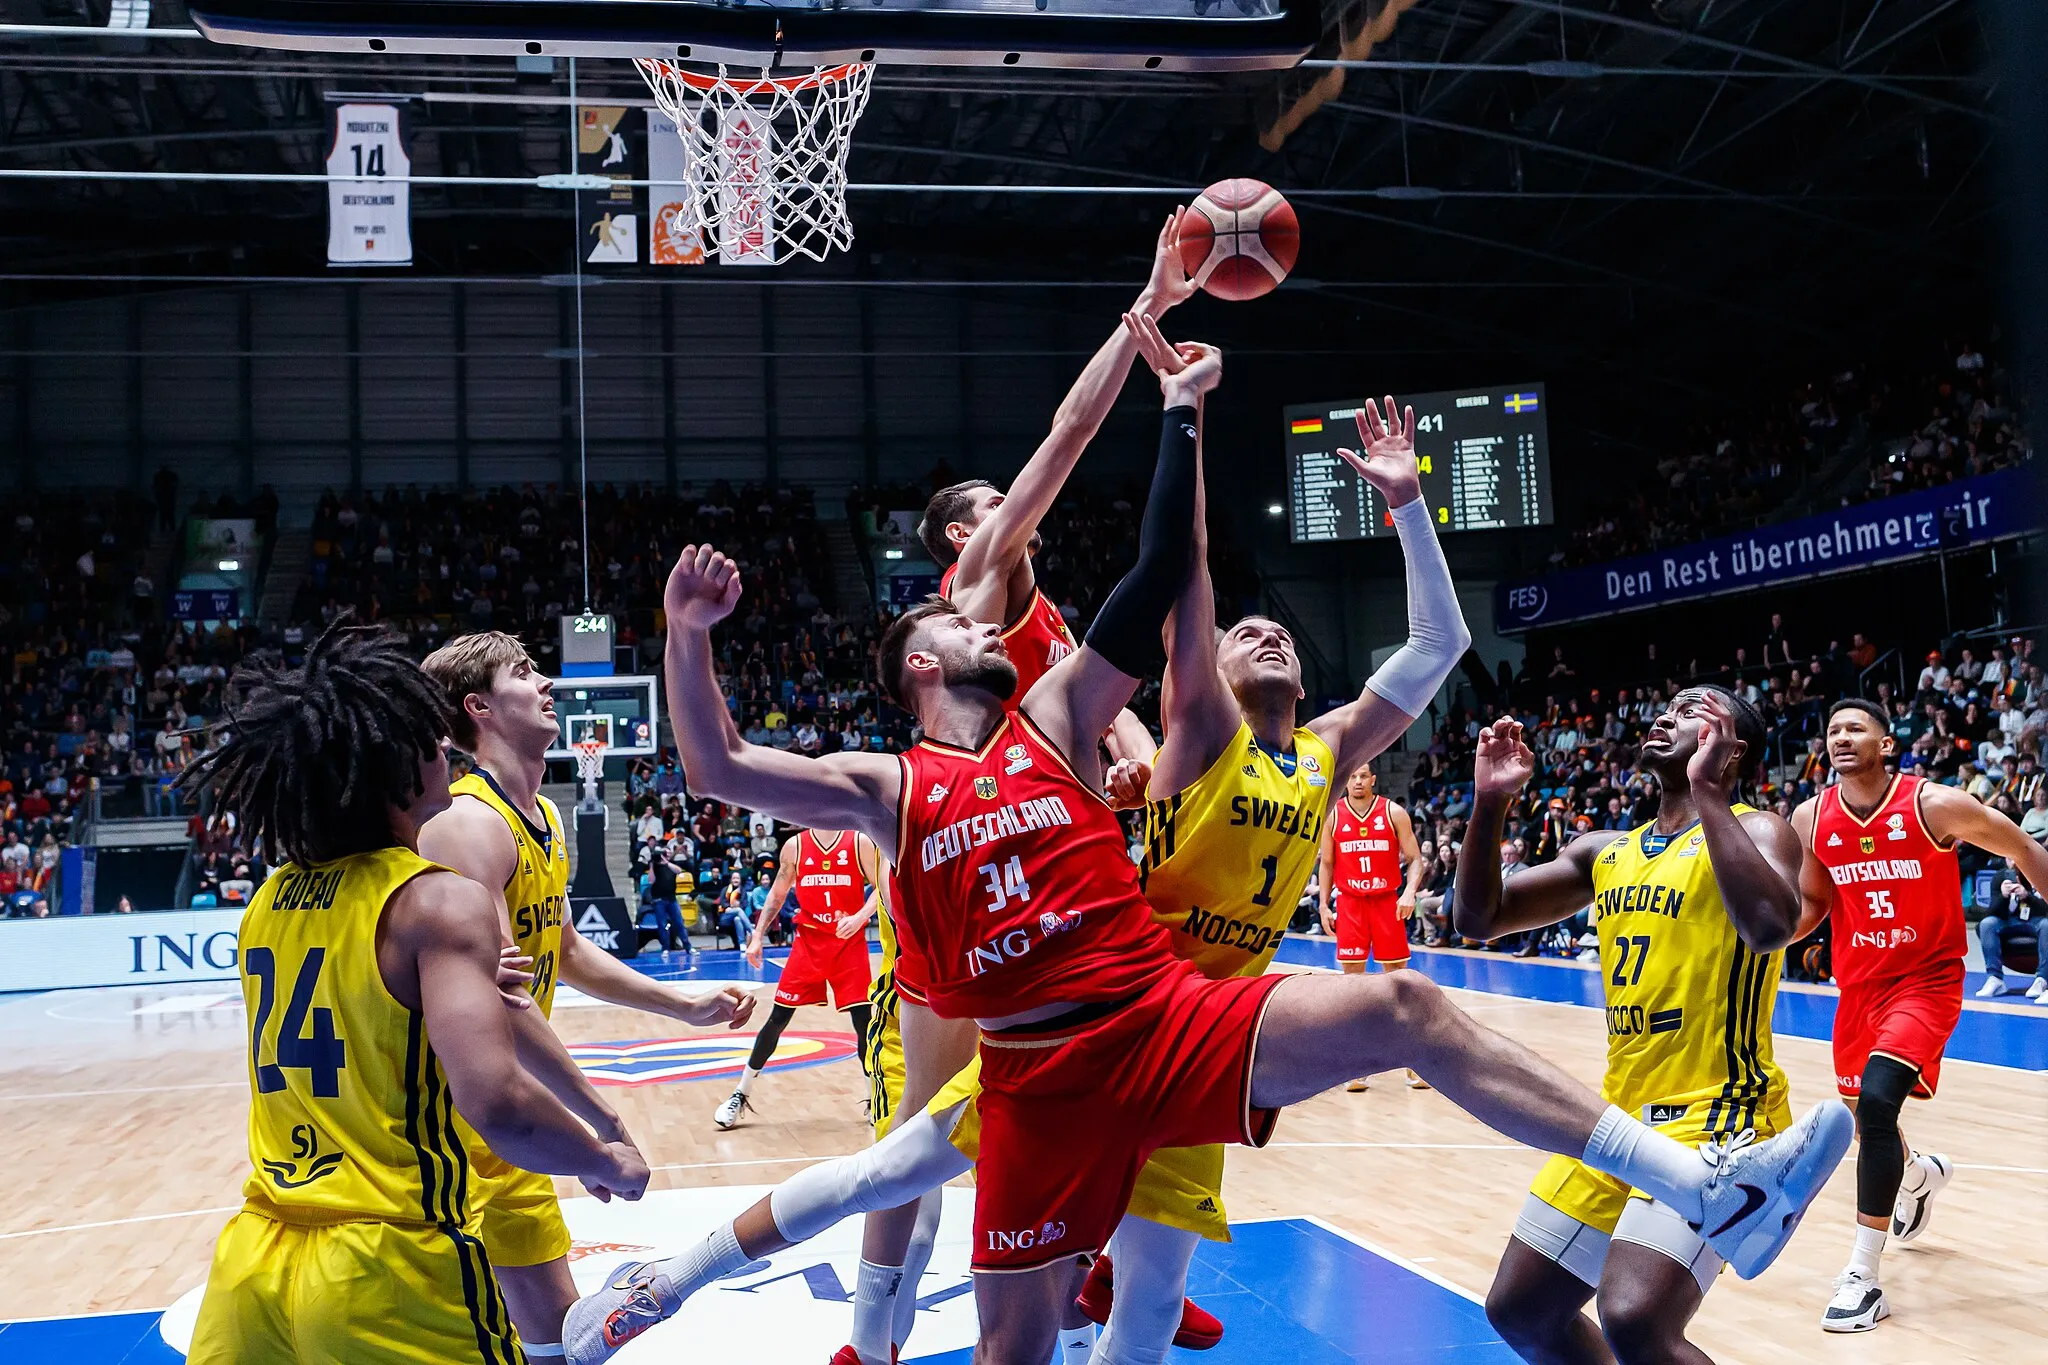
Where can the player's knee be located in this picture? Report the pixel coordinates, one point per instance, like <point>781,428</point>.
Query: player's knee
<point>1524,1316</point>
<point>1638,1324</point>
<point>1413,1002</point>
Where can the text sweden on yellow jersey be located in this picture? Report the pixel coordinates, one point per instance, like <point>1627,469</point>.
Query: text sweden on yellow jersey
<point>536,898</point>
<point>1688,1003</point>
<point>350,1116</point>
<point>1226,860</point>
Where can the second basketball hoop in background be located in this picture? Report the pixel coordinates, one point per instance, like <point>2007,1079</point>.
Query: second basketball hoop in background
<point>1239,239</point>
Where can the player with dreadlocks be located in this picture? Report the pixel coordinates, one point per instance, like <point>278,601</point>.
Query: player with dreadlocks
<point>376,1031</point>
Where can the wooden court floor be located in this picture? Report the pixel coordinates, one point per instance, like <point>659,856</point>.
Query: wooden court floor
<point>122,1113</point>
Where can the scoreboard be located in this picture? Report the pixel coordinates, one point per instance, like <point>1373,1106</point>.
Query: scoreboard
<point>1485,457</point>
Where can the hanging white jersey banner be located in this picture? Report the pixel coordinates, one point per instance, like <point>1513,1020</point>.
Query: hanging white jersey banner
<point>369,221</point>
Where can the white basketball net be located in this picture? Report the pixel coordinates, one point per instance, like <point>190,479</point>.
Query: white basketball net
<point>764,156</point>
<point>589,765</point>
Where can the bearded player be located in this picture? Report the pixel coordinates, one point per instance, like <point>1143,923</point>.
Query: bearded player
<point>1694,911</point>
<point>826,869</point>
<point>1020,909</point>
<point>1881,861</point>
<point>501,833</point>
<point>1359,893</point>
<point>985,539</point>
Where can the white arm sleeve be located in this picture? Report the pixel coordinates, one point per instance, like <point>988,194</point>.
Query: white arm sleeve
<point>1436,627</point>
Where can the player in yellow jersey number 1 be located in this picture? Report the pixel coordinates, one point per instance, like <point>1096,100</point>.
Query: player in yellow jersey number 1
<point>500,832</point>
<point>375,1021</point>
<point>1695,909</point>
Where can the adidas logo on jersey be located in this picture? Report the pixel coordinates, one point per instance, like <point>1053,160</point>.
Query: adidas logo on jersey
<point>1612,855</point>
<point>936,794</point>
<point>1251,770</point>
<point>1208,1205</point>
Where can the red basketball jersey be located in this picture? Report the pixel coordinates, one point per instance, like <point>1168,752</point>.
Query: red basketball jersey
<point>1368,851</point>
<point>1035,641</point>
<point>828,882</point>
<point>1017,889</point>
<point>1898,897</point>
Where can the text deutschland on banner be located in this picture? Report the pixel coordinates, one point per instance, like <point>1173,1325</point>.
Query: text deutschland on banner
<point>369,221</point>
<point>1969,512</point>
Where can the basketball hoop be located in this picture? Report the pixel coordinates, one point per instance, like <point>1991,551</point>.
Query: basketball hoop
<point>590,765</point>
<point>764,156</point>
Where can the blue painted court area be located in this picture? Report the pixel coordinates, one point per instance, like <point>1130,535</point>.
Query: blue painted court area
<point>1290,1289</point>
<point>1998,1033</point>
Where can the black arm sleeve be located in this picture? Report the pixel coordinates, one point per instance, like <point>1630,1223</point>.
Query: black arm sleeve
<point>1126,630</point>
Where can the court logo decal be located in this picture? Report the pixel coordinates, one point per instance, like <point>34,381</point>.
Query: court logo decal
<point>711,1056</point>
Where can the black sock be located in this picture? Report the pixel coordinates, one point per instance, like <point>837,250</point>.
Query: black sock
<point>862,1017</point>
<point>769,1036</point>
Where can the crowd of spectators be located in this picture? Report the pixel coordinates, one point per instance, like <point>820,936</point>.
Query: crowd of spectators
<point>1949,416</point>
<point>1975,718</point>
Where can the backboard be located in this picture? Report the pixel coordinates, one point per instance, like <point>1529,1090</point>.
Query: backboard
<point>624,712</point>
<point>1171,35</point>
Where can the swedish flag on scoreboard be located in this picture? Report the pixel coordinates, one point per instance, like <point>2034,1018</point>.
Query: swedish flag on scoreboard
<point>1520,402</point>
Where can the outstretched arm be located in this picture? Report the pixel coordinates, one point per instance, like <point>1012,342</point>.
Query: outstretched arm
<point>1951,814</point>
<point>838,791</point>
<point>1401,688</point>
<point>1483,908</point>
<point>1079,696</point>
<point>1001,543</point>
<point>1197,710</point>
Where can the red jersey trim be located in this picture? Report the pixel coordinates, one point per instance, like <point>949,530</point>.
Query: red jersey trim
<point>825,849</point>
<point>1920,818</point>
<point>994,737</point>
<point>1891,789</point>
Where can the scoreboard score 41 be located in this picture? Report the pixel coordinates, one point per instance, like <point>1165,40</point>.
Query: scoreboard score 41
<point>1485,457</point>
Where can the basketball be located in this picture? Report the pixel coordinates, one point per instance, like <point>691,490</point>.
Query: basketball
<point>1239,239</point>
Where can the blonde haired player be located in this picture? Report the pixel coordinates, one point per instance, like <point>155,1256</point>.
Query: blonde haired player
<point>1365,841</point>
<point>501,833</point>
<point>377,1035</point>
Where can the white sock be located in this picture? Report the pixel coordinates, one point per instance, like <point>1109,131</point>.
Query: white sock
<point>1151,1279</point>
<point>1869,1246</point>
<point>916,1257</point>
<point>678,1277</point>
<point>1630,1150</point>
<point>875,1289</point>
<point>747,1079</point>
<point>1077,1344</point>
<point>1915,1178</point>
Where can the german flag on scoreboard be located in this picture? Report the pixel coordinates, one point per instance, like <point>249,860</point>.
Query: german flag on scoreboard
<point>1305,426</point>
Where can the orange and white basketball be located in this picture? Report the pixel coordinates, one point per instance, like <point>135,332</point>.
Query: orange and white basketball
<point>1239,239</point>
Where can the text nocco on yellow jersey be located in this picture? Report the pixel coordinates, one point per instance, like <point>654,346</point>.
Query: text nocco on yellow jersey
<point>1226,860</point>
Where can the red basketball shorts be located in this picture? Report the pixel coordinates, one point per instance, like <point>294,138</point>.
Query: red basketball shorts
<point>1904,1017</point>
<point>1371,926</point>
<point>1068,1117</point>
<point>820,958</point>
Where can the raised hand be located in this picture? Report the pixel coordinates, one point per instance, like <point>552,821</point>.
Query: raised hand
<point>1388,461</point>
<point>1123,786</point>
<point>1501,763</point>
<point>1706,771</point>
<point>1169,283</point>
<point>703,588</point>
<point>1186,372</point>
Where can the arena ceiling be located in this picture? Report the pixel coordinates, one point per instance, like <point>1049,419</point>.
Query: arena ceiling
<point>1661,194</point>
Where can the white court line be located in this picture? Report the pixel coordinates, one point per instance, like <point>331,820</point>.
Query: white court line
<point>122,1090</point>
<point>1416,1146</point>
<point>118,1222</point>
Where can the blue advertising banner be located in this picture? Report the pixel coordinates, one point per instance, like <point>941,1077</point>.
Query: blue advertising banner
<point>1971,512</point>
<point>205,604</point>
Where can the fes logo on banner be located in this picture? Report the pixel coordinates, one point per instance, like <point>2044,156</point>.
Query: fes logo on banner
<point>708,1056</point>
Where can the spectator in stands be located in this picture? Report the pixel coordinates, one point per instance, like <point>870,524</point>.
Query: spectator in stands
<point>662,885</point>
<point>732,909</point>
<point>2034,824</point>
<point>2019,919</point>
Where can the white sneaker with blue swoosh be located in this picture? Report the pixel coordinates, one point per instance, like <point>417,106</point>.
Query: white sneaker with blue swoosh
<point>1753,1201</point>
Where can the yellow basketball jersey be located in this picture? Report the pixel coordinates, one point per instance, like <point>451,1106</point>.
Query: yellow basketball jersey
<point>350,1117</point>
<point>537,894</point>
<point>1688,1004</point>
<point>1226,860</point>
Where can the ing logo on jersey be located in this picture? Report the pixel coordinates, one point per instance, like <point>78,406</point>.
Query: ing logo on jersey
<point>663,1061</point>
<point>985,788</point>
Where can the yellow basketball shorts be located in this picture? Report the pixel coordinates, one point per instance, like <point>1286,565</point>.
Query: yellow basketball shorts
<point>1179,1187</point>
<point>522,1219</point>
<point>350,1294</point>
<point>881,1055</point>
<point>1597,1199</point>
